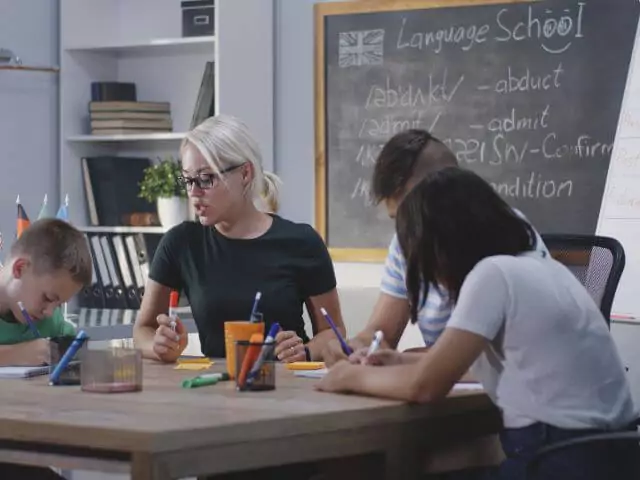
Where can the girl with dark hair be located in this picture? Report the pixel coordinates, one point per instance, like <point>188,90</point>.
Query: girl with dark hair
<point>523,324</point>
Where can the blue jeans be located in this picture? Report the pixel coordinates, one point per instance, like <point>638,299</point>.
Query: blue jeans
<point>592,461</point>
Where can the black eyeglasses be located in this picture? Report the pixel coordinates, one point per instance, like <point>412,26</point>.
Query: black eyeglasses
<point>203,181</point>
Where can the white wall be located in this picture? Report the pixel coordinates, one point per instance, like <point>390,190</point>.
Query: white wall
<point>28,111</point>
<point>294,110</point>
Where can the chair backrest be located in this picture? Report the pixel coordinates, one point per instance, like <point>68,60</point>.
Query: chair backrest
<point>597,261</point>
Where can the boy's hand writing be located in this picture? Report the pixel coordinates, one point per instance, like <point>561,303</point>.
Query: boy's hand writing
<point>385,356</point>
<point>338,378</point>
<point>167,344</point>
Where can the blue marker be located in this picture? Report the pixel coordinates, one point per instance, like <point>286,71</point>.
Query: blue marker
<point>255,318</point>
<point>267,348</point>
<point>29,320</point>
<point>68,355</point>
<point>345,348</point>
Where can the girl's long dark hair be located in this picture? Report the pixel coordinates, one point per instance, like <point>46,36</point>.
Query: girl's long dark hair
<point>448,223</point>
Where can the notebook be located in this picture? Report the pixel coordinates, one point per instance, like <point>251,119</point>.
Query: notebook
<point>310,373</point>
<point>23,372</point>
<point>468,386</point>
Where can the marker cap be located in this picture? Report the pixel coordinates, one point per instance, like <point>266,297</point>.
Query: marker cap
<point>174,297</point>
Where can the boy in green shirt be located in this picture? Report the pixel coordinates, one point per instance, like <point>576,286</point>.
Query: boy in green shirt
<point>47,265</point>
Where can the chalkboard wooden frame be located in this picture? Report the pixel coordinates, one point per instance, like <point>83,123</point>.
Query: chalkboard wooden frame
<point>322,10</point>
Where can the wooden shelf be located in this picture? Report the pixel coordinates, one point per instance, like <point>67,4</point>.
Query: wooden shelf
<point>123,229</point>
<point>136,137</point>
<point>186,44</point>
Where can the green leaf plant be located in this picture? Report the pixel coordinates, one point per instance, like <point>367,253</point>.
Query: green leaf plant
<point>161,180</point>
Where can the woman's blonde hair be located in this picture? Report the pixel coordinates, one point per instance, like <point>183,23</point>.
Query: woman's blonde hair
<point>224,141</point>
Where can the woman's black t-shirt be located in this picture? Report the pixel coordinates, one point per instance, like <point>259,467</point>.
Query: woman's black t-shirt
<point>220,276</point>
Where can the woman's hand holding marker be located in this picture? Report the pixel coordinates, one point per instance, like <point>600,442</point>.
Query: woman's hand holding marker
<point>168,344</point>
<point>290,347</point>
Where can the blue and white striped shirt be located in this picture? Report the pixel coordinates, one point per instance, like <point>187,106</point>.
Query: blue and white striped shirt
<point>434,315</point>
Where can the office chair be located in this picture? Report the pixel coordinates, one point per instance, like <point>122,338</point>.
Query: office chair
<point>597,261</point>
<point>618,437</point>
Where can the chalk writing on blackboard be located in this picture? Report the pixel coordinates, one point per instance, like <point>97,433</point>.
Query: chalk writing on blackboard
<point>543,26</point>
<point>511,89</point>
<point>526,81</point>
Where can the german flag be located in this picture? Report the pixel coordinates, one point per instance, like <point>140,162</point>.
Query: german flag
<point>23,221</point>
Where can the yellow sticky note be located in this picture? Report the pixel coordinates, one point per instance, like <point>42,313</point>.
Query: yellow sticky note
<point>193,363</point>
<point>195,360</point>
<point>193,366</point>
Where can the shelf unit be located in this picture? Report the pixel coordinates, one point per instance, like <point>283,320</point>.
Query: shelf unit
<point>141,41</point>
<point>147,137</point>
<point>123,230</point>
<point>177,44</point>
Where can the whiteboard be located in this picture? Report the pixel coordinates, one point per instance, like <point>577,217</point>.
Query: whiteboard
<point>620,210</point>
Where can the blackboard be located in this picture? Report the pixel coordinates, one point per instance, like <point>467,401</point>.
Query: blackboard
<point>528,95</point>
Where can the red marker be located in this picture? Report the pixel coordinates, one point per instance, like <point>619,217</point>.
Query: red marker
<point>174,297</point>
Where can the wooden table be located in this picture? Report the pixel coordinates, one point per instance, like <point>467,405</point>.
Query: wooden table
<point>166,432</point>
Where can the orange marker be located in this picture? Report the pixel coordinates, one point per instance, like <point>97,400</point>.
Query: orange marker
<point>253,352</point>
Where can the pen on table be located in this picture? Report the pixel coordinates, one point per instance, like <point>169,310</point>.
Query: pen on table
<point>254,310</point>
<point>375,344</point>
<point>345,348</point>
<point>68,355</point>
<point>29,320</point>
<point>267,348</point>
<point>174,297</point>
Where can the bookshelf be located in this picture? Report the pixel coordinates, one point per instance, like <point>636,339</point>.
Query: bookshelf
<point>184,44</point>
<point>123,230</point>
<point>141,41</point>
<point>147,137</point>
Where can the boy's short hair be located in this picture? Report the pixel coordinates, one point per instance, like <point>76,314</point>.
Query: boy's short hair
<point>408,155</point>
<point>54,245</point>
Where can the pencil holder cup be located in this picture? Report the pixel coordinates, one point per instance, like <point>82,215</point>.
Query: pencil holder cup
<point>253,377</point>
<point>235,331</point>
<point>57,348</point>
<point>111,370</point>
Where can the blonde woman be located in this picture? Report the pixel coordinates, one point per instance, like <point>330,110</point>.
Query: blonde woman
<point>237,248</point>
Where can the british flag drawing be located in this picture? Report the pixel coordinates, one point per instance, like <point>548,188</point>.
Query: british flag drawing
<point>363,47</point>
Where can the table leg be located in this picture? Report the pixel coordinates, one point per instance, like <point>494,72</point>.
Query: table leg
<point>405,456</point>
<point>370,466</point>
<point>145,466</point>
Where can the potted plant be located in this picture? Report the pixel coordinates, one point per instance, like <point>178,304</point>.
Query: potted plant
<point>160,185</point>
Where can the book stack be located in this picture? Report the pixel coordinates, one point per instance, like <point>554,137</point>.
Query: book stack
<point>129,117</point>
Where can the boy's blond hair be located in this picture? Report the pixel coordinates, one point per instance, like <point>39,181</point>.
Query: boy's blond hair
<point>55,245</point>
